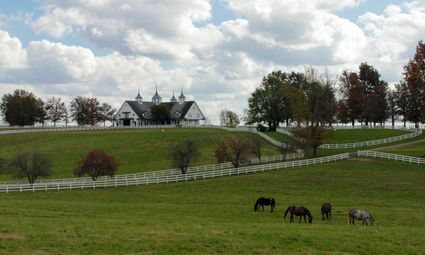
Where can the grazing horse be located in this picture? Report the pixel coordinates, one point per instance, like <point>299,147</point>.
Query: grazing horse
<point>262,201</point>
<point>360,215</point>
<point>299,211</point>
<point>326,211</point>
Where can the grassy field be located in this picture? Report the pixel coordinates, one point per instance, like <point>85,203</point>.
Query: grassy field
<point>279,137</point>
<point>216,216</point>
<point>360,135</point>
<point>137,149</point>
<point>415,150</point>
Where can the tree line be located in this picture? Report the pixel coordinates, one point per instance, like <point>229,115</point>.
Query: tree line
<point>362,96</point>
<point>23,108</point>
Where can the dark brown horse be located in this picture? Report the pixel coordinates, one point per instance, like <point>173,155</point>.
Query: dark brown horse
<point>262,201</point>
<point>299,211</point>
<point>326,211</point>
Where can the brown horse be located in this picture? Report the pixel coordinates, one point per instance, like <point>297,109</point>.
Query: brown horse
<point>326,211</point>
<point>299,211</point>
<point>262,201</point>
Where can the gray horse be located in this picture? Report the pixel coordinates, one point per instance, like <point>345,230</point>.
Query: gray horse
<point>363,215</point>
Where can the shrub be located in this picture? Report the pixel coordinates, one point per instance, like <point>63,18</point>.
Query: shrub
<point>96,163</point>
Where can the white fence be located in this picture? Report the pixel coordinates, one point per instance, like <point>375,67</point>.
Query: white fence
<point>390,156</point>
<point>29,129</point>
<point>145,180</point>
<point>373,142</point>
<point>167,172</point>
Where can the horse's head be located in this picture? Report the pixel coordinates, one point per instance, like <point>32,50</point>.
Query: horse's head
<point>310,219</point>
<point>372,220</point>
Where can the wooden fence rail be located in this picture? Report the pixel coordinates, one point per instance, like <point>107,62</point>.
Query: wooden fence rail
<point>373,142</point>
<point>166,172</point>
<point>145,180</point>
<point>391,156</point>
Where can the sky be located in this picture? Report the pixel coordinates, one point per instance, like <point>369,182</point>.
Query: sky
<point>216,51</point>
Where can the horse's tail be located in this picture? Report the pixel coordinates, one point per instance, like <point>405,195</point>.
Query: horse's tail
<point>273,203</point>
<point>286,212</point>
<point>256,206</point>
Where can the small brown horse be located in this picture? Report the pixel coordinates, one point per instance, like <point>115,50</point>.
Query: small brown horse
<point>262,201</point>
<point>326,211</point>
<point>298,211</point>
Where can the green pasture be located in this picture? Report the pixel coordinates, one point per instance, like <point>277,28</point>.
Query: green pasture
<point>279,137</point>
<point>360,135</point>
<point>137,150</point>
<point>216,216</point>
<point>415,150</point>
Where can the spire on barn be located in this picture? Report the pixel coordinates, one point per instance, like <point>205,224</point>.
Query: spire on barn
<point>156,99</point>
<point>182,98</point>
<point>138,97</point>
<point>173,99</point>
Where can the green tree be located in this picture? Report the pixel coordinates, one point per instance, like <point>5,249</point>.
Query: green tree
<point>269,104</point>
<point>30,166</point>
<point>402,101</point>
<point>160,114</point>
<point>85,111</point>
<point>20,108</point>
<point>353,97</point>
<point>393,109</point>
<point>375,93</point>
<point>312,103</point>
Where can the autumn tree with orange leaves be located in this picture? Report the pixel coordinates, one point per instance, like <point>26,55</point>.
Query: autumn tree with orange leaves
<point>414,84</point>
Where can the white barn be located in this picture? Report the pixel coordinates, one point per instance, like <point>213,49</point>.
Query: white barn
<point>138,112</point>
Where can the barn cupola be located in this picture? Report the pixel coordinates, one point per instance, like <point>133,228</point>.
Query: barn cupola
<point>173,99</point>
<point>182,98</point>
<point>156,99</point>
<point>138,97</point>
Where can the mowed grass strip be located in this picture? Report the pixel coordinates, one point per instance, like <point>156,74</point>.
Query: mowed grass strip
<point>217,217</point>
<point>137,150</point>
<point>359,135</point>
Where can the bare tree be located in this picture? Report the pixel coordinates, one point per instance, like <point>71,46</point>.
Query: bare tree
<point>256,146</point>
<point>56,110</point>
<point>229,118</point>
<point>30,166</point>
<point>235,149</point>
<point>183,154</point>
<point>106,113</point>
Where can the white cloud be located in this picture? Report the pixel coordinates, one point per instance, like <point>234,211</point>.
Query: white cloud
<point>161,29</point>
<point>392,36</point>
<point>173,43</point>
<point>11,53</point>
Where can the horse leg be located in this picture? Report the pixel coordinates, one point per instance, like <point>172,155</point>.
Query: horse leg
<point>305,220</point>
<point>262,207</point>
<point>291,219</point>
